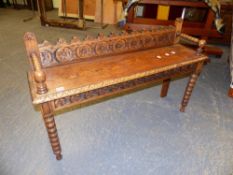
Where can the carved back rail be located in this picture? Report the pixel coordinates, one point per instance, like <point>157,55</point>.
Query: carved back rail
<point>77,50</point>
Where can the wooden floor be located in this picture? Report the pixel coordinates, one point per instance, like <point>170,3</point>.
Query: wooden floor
<point>139,133</point>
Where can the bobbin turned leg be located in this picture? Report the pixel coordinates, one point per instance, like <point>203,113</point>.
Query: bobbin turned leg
<point>165,87</point>
<point>188,91</point>
<point>48,116</point>
<point>190,86</point>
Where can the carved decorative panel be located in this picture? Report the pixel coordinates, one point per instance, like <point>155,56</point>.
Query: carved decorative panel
<point>76,50</point>
<point>79,98</point>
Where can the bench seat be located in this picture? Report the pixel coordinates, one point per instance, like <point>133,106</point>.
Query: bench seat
<point>84,76</point>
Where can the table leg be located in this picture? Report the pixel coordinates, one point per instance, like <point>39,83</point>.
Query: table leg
<point>165,87</point>
<point>48,116</point>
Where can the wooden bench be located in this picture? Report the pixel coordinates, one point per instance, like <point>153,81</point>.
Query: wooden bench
<point>67,74</point>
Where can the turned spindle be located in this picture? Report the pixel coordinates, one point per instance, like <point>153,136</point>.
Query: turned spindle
<point>201,45</point>
<point>49,121</point>
<point>189,38</point>
<point>39,76</point>
<point>178,24</point>
<point>190,86</point>
<point>188,91</point>
<point>33,54</point>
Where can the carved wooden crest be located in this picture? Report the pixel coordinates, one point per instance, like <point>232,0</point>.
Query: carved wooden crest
<point>77,50</point>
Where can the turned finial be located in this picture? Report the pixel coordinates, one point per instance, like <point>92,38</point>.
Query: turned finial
<point>61,41</point>
<point>88,38</point>
<point>201,45</point>
<point>34,58</point>
<point>178,24</point>
<point>39,76</point>
<point>75,39</point>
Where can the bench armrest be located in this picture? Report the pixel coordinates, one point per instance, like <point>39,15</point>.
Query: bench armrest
<point>182,36</point>
<point>201,43</point>
<point>34,59</point>
<point>39,75</point>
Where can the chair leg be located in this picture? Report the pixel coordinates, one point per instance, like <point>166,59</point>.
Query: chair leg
<point>165,87</point>
<point>48,116</point>
<point>188,91</point>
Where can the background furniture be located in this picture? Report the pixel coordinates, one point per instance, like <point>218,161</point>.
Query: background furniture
<point>101,11</point>
<point>105,12</point>
<point>111,12</point>
<point>226,14</point>
<point>70,8</point>
<point>45,21</point>
<point>3,4</point>
<point>48,4</point>
<point>198,24</point>
<point>231,66</point>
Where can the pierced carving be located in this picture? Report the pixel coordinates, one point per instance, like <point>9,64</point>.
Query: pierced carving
<point>61,41</point>
<point>45,43</point>
<point>101,36</point>
<point>162,38</point>
<point>119,45</point>
<point>148,41</point>
<point>46,57</point>
<point>123,33</point>
<point>84,51</point>
<point>102,48</point>
<point>88,38</point>
<point>64,52</point>
<point>112,34</point>
<point>62,101</point>
<point>134,43</point>
<point>75,40</point>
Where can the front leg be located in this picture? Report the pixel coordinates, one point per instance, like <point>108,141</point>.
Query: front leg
<point>48,116</point>
<point>190,86</point>
<point>188,91</point>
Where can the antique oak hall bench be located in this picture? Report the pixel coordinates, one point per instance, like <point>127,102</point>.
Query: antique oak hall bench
<point>67,74</point>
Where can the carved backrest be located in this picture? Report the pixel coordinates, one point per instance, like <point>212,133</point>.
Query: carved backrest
<point>77,50</point>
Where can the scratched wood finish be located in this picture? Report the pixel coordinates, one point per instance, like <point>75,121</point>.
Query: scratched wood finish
<point>76,72</point>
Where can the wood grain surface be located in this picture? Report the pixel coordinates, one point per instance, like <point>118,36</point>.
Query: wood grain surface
<point>93,74</point>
